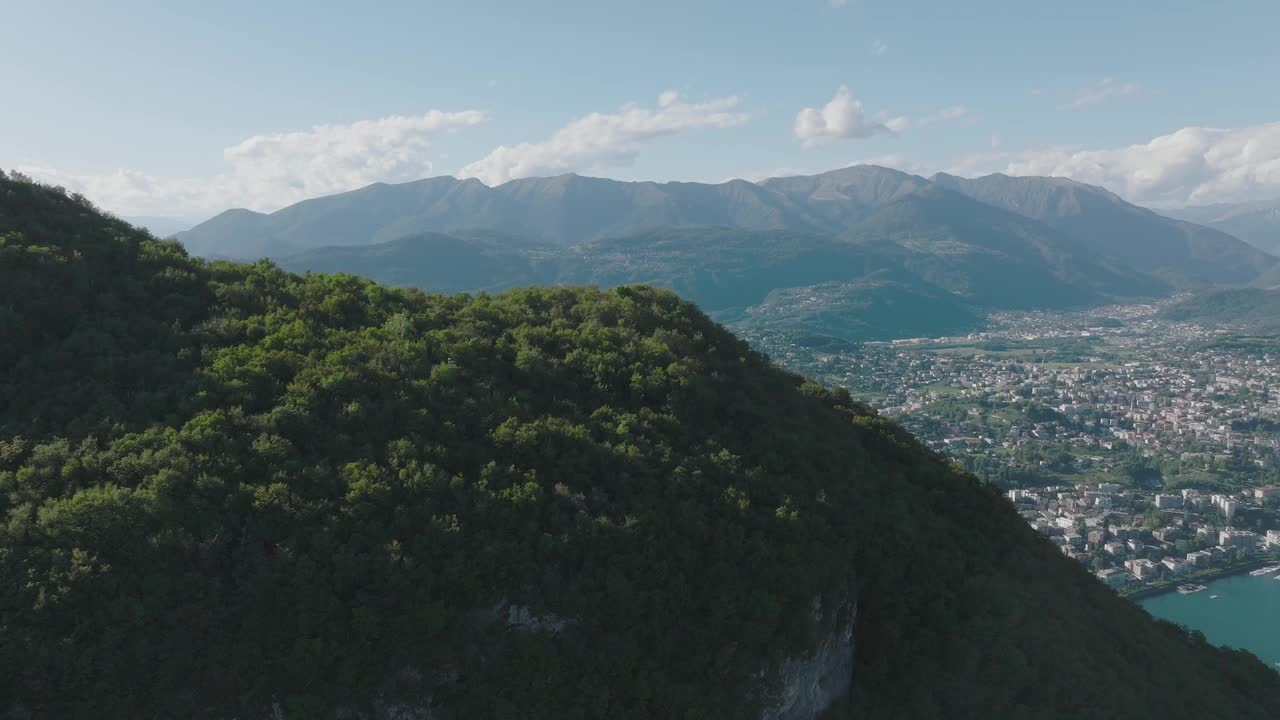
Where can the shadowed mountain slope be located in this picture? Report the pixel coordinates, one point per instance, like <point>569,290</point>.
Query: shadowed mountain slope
<point>572,210</point>
<point>1107,226</point>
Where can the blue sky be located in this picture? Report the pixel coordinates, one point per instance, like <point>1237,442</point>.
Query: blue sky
<point>183,108</point>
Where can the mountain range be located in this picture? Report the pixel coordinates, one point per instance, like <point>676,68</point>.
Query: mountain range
<point>1184,253</point>
<point>969,246</point>
<point>1256,223</point>
<point>1249,310</point>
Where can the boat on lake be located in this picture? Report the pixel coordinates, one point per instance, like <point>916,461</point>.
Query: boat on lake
<point>1213,597</point>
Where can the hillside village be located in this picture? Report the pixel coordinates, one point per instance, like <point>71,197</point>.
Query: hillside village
<point>1135,540</point>
<point>1164,395</point>
<point>1145,448</point>
<point>1062,398</point>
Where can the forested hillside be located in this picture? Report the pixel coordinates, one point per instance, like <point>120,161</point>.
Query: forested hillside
<point>1249,309</point>
<point>230,491</point>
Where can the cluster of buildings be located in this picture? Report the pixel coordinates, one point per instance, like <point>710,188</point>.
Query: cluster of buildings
<point>1077,399</point>
<point>1131,538</point>
<point>1116,378</point>
<point>1200,405</point>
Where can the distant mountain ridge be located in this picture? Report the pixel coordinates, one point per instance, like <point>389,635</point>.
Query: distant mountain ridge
<point>1256,223</point>
<point>995,257</point>
<point>1252,309</point>
<point>572,209</point>
<point>724,271</point>
<point>937,279</point>
<point>1181,252</point>
<point>563,209</point>
<point>864,239</point>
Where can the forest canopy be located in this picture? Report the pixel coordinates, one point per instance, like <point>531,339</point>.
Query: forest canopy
<point>227,488</point>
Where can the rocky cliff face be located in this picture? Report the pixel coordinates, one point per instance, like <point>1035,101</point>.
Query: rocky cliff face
<point>808,684</point>
<point>811,684</point>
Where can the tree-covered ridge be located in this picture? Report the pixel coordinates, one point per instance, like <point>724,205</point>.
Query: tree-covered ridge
<point>1251,309</point>
<point>879,306</point>
<point>226,486</point>
<point>724,271</point>
<point>325,498</point>
<point>961,269</point>
<point>91,313</point>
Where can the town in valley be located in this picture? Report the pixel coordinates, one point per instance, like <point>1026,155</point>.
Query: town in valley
<point>1145,448</point>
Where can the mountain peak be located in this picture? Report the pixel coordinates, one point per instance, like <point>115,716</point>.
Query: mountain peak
<point>1104,223</point>
<point>574,209</point>
<point>1024,183</point>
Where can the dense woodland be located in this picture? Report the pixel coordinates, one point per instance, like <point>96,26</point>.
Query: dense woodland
<point>225,486</point>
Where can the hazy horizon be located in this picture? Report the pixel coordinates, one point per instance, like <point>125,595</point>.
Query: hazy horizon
<point>660,92</point>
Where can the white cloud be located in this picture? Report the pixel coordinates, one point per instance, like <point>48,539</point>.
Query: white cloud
<point>897,124</point>
<point>1100,92</point>
<point>878,47</point>
<point>270,171</point>
<point>1192,166</point>
<point>329,158</point>
<point>602,140</point>
<point>842,118</point>
<point>954,112</point>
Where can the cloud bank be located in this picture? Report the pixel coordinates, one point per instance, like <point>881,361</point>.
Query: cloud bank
<point>1192,166</point>
<point>270,171</point>
<point>603,140</point>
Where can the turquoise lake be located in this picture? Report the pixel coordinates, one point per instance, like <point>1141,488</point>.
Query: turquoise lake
<point>1246,613</point>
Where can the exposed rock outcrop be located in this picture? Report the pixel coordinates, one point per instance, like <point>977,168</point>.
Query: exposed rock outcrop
<point>811,684</point>
<point>521,617</point>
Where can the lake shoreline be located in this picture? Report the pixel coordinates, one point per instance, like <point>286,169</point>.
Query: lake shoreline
<point>1244,567</point>
<point>1238,611</point>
